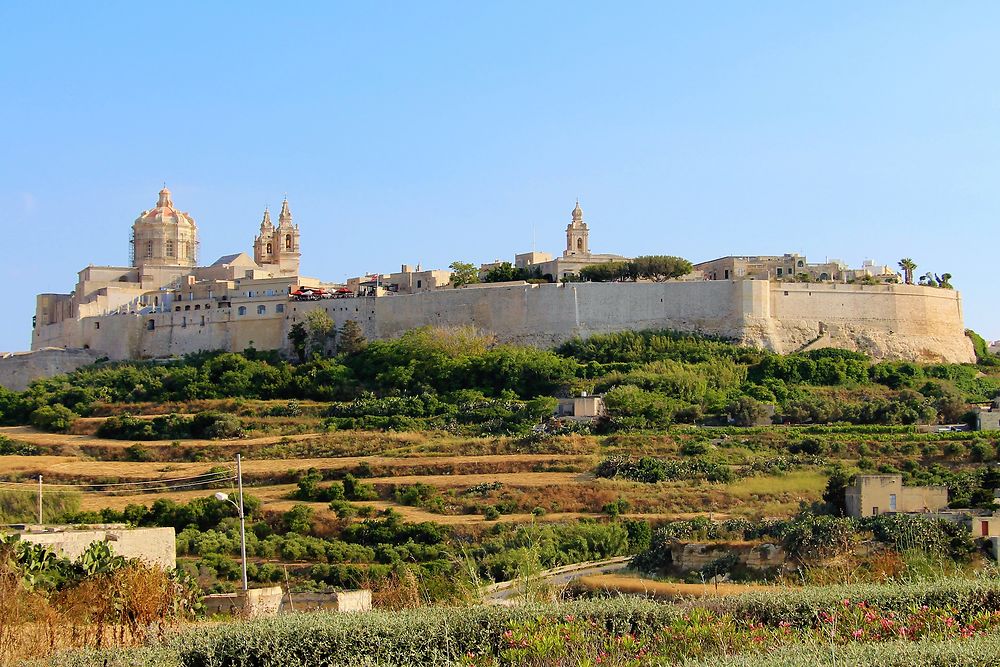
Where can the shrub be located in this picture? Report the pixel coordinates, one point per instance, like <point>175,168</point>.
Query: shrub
<point>54,418</point>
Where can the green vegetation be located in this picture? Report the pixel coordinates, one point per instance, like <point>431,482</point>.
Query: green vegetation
<point>948,618</point>
<point>649,267</point>
<point>457,380</point>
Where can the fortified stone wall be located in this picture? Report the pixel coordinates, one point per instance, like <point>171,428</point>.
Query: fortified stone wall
<point>19,369</point>
<point>885,321</point>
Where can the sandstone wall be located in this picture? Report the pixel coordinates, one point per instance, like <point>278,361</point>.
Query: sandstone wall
<point>885,321</point>
<point>18,370</point>
<point>156,546</point>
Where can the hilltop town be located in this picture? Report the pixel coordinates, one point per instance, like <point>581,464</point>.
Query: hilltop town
<point>165,303</point>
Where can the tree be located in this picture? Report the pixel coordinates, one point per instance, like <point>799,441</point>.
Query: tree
<point>297,336</point>
<point>908,266</point>
<point>351,339</point>
<point>505,272</point>
<point>320,330</point>
<point>833,495</point>
<point>660,267</point>
<point>463,273</point>
<point>746,411</point>
<point>604,273</point>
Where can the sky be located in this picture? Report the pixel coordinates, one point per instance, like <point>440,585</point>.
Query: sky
<point>429,132</point>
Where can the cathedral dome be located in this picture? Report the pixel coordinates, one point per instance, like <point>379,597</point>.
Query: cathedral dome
<point>164,211</point>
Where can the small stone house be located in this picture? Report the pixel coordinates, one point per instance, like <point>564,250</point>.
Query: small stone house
<point>872,495</point>
<point>584,407</point>
<point>988,419</point>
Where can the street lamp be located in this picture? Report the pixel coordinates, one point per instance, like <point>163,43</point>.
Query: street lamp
<point>224,497</point>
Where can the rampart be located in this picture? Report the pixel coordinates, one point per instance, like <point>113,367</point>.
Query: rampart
<point>885,321</point>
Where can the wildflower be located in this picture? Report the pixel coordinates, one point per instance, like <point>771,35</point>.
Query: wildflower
<point>858,634</point>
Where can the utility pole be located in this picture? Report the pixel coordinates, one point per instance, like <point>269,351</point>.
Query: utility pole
<point>243,523</point>
<point>39,500</point>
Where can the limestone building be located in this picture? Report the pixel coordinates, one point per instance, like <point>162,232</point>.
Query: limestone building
<point>574,257</point>
<point>164,304</point>
<point>277,248</point>
<point>872,495</point>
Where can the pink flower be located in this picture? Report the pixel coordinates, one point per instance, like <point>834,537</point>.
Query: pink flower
<point>857,634</point>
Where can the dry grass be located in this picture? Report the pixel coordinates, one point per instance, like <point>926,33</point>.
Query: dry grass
<point>123,608</point>
<point>661,590</point>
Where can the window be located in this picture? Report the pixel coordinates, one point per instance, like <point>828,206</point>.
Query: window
<point>150,325</point>
<point>188,252</point>
<point>801,263</point>
<point>779,270</point>
<point>269,250</point>
<point>892,502</point>
<point>177,307</point>
<point>726,274</point>
<point>207,306</point>
<point>874,511</point>
<point>187,307</point>
<point>202,320</point>
<point>288,241</point>
<point>280,308</point>
<point>242,310</point>
<point>97,325</point>
<point>579,244</point>
<point>418,284</point>
<point>261,309</point>
<point>149,249</point>
<point>197,306</point>
<point>170,248</point>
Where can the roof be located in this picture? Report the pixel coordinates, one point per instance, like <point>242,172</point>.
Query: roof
<point>239,259</point>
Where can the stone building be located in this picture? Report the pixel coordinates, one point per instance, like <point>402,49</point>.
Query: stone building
<point>872,495</point>
<point>768,267</point>
<point>165,305</point>
<point>585,407</point>
<point>575,256</point>
<point>988,418</point>
<point>277,248</point>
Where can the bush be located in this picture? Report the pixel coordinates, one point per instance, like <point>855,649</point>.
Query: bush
<point>53,418</point>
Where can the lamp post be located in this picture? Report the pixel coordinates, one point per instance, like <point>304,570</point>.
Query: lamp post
<point>239,508</point>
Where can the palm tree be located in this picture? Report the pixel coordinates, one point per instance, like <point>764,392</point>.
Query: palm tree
<point>908,266</point>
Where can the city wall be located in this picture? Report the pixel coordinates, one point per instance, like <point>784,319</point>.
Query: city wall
<point>885,321</point>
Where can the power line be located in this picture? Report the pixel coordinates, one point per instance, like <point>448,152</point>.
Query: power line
<point>164,480</point>
<point>86,488</point>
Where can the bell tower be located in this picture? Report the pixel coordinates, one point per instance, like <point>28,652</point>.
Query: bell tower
<point>577,241</point>
<point>277,248</point>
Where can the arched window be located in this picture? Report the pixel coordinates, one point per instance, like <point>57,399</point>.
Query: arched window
<point>242,310</point>
<point>288,241</point>
<point>170,248</point>
<point>149,250</point>
<point>269,250</point>
<point>579,244</point>
<point>261,310</point>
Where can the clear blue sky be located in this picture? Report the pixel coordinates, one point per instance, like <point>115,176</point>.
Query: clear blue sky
<point>429,132</point>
